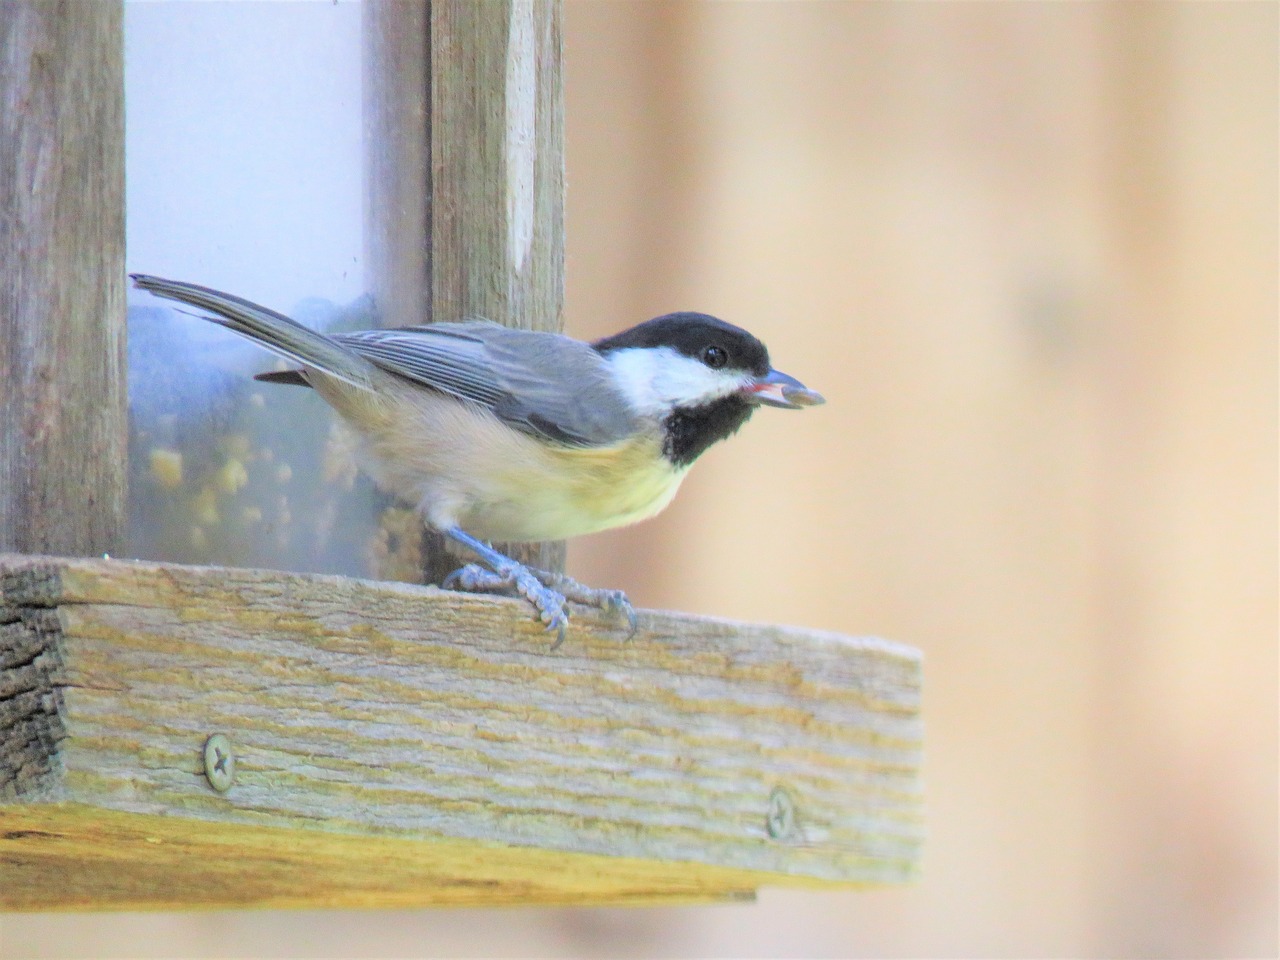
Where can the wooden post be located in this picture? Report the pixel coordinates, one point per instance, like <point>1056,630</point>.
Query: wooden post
<point>62,284</point>
<point>466,176</point>
<point>397,110</point>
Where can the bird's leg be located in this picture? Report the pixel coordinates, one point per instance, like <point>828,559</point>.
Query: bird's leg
<point>507,574</point>
<point>611,601</point>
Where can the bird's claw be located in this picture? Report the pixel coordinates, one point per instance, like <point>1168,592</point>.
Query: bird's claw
<point>610,601</point>
<point>615,601</point>
<point>516,578</point>
<point>548,603</point>
<point>559,623</point>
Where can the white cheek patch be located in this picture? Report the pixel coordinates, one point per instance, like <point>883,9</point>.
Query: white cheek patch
<point>657,379</point>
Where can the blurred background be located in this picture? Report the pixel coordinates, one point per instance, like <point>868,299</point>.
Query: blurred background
<point>1029,254</point>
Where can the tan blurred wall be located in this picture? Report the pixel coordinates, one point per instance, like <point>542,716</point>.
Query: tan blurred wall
<point>1028,252</point>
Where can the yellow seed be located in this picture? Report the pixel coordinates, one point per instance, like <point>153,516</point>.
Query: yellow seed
<point>252,514</point>
<point>166,467</point>
<point>205,506</point>
<point>198,539</point>
<point>232,476</point>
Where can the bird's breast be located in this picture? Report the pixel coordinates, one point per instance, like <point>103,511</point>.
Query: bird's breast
<point>560,492</point>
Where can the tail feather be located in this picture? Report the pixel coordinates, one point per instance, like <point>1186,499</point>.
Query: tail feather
<point>281,335</point>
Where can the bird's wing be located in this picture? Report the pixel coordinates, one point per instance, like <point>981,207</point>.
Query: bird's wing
<point>544,384</point>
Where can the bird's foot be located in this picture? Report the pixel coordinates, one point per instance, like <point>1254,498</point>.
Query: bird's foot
<point>547,591</point>
<point>514,578</point>
<point>610,601</point>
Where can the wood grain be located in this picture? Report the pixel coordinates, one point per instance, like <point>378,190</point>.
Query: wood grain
<point>497,148</point>
<point>397,110</point>
<point>701,759</point>
<point>62,295</point>
<point>76,857</point>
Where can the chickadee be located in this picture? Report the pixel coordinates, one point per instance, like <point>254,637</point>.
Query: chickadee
<point>500,434</point>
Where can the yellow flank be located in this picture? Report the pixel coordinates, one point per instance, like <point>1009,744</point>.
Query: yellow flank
<point>542,492</point>
<point>620,485</point>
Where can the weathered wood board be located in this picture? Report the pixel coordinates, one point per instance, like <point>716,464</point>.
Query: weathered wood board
<point>403,745</point>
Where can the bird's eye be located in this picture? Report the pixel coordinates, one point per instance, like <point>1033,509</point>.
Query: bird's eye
<point>715,357</point>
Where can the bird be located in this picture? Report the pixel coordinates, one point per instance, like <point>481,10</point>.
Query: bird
<point>498,434</point>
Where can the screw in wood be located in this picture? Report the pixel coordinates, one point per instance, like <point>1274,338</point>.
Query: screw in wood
<point>781,818</point>
<point>219,762</point>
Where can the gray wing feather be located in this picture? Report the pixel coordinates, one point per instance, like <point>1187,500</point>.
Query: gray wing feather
<point>544,384</point>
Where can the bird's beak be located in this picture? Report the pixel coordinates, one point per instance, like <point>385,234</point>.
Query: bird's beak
<point>776,389</point>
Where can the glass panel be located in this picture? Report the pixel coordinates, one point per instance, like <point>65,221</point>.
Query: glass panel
<point>245,173</point>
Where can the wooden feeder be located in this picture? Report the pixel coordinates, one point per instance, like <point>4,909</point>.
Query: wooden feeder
<point>175,736</point>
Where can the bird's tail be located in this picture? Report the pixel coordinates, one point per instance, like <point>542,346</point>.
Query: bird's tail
<point>278,333</point>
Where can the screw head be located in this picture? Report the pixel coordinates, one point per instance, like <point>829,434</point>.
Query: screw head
<point>781,818</point>
<point>219,762</point>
